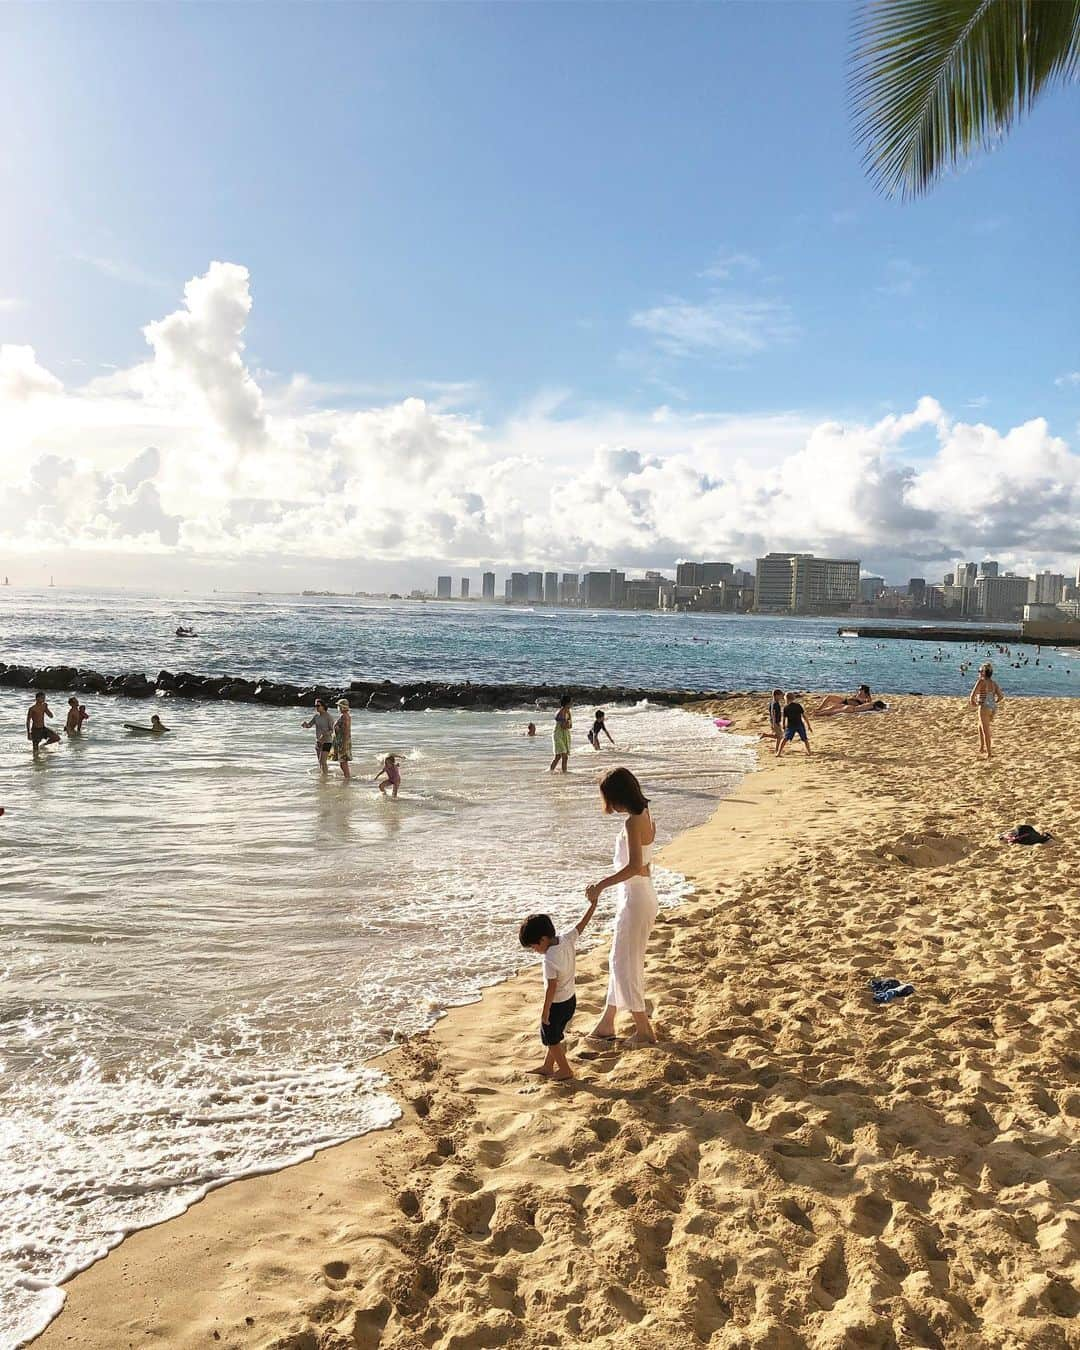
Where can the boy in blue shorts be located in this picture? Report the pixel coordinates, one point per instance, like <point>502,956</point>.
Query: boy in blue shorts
<point>795,724</point>
<point>558,952</point>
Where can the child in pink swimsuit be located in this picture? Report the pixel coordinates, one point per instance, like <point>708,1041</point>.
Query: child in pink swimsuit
<point>393,776</point>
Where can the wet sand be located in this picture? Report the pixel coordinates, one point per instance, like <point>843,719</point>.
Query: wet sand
<point>790,1167</point>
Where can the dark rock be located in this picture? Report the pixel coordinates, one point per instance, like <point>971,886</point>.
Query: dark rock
<point>19,677</point>
<point>166,680</point>
<point>135,686</point>
<point>90,682</point>
<point>55,677</point>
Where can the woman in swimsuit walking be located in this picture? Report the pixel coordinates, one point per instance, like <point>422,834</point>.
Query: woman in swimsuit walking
<point>986,695</point>
<point>635,912</point>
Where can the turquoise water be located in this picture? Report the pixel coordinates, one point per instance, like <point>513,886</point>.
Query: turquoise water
<point>332,639</point>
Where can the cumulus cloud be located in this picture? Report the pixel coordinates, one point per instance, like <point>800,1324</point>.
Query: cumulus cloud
<point>21,377</point>
<point>191,455</point>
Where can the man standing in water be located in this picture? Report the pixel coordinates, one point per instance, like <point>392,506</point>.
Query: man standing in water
<point>560,737</point>
<point>36,730</point>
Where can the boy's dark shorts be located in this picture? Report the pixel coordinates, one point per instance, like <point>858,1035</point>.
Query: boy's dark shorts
<point>796,730</point>
<point>558,1016</point>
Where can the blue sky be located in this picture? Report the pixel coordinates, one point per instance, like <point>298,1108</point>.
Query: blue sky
<point>574,207</point>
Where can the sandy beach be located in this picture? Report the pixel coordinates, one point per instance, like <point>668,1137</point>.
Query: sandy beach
<point>791,1166</point>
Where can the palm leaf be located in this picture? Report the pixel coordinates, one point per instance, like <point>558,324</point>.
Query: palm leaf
<point>934,80</point>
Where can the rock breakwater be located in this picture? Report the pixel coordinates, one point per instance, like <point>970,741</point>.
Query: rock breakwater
<point>386,695</point>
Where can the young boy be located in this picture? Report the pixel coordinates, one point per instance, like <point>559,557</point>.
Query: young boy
<point>558,952</point>
<point>795,724</point>
<point>776,717</point>
<point>598,727</point>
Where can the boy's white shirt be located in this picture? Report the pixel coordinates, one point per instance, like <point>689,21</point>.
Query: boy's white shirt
<point>559,962</point>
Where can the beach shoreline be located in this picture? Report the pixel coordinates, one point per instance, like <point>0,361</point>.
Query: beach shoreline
<point>455,1226</point>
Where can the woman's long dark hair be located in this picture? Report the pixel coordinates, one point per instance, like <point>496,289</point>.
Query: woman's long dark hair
<point>620,788</point>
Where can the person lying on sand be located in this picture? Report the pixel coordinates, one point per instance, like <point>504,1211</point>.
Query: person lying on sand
<point>156,727</point>
<point>558,953</point>
<point>876,705</point>
<point>834,703</point>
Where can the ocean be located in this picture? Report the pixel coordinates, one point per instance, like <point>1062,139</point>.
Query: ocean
<point>203,942</point>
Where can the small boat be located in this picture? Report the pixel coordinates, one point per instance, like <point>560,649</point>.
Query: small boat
<point>848,633</point>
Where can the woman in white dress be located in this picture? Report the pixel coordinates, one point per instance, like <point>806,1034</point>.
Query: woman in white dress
<point>635,913</point>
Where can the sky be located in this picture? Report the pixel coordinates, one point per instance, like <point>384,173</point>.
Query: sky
<point>343,296</point>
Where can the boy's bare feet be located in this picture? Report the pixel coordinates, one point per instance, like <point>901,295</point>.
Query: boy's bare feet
<point>561,1077</point>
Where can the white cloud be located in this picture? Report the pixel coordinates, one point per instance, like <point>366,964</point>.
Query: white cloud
<point>187,456</point>
<point>719,326</point>
<point>21,377</point>
<point>1071,379</point>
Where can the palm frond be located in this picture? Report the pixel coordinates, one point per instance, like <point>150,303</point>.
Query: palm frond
<point>934,80</point>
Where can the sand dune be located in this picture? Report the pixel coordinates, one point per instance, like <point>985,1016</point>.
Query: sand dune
<point>791,1167</point>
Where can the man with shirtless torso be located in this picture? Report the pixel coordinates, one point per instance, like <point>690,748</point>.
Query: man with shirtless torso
<point>36,730</point>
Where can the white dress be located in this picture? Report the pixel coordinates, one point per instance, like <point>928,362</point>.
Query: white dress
<point>635,915</point>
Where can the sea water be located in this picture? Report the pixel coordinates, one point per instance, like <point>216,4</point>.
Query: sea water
<point>335,638</point>
<point>202,939</point>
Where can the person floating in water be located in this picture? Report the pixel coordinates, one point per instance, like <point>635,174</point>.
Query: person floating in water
<point>530,730</point>
<point>185,632</point>
<point>597,728</point>
<point>156,728</point>
<point>323,722</point>
<point>36,730</point>
<point>393,776</point>
<point>560,736</point>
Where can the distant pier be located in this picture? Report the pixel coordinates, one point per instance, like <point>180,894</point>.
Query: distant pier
<point>1057,635</point>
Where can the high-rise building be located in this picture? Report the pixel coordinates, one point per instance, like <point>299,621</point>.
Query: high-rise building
<point>703,574</point>
<point>1049,588</point>
<point>519,587</point>
<point>916,588</point>
<point>641,593</point>
<point>948,579</point>
<point>508,589</point>
<point>799,583</point>
<point>551,588</point>
<point>967,574</point>
<point>870,588</point>
<point>443,586</point>
<point>1003,598</point>
<point>569,587</point>
<point>464,588</point>
<point>654,576</point>
<point>988,568</point>
<point>489,585</point>
<point>536,586</point>
<point>618,587</point>
<point>596,588</point>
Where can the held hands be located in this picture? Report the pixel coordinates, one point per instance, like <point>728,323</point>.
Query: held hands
<point>593,892</point>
